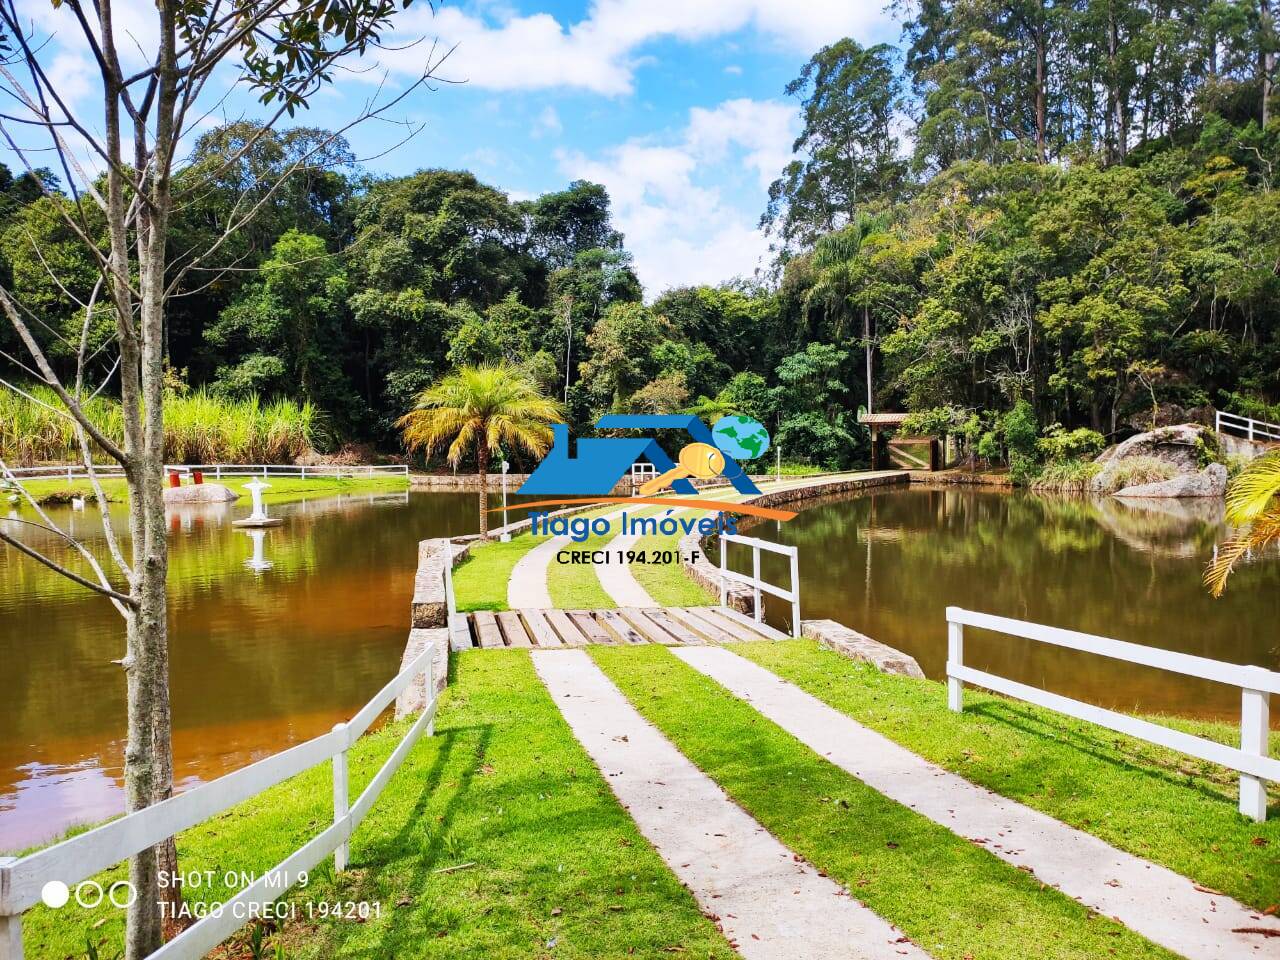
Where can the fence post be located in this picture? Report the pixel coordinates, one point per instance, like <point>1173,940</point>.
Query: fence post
<point>340,802</point>
<point>755,586</point>
<point>795,591</point>
<point>955,658</point>
<point>724,569</point>
<point>1255,727</point>
<point>437,650</point>
<point>68,474</point>
<point>1251,423</point>
<point>451,605</point>
<point>10,927</point>
<point>11,938</point>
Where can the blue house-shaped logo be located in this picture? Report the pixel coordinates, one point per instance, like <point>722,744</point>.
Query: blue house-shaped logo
<point>601,462</point>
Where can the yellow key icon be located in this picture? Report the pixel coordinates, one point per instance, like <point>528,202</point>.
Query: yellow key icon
<point>700,460</point>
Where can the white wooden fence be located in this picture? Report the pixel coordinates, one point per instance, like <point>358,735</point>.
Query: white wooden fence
<point>1246,427</point>
<point>81,857</point>
<point>1252,759</point>
<point>219,470</point>
<point>755,581</point>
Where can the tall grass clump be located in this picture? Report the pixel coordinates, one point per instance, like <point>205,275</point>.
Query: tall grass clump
<point>199,427</point>
<point>1132,471</point>
<point>35,431</point>
<point>1067,476</point>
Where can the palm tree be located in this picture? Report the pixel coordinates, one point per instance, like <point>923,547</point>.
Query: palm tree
<point>1253,503</point>
<point>482,407</point>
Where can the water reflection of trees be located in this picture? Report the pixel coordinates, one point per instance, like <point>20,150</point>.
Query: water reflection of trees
<point>890,563</point>
<point>259,656</point>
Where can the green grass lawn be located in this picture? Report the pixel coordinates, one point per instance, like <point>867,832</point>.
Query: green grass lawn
<point>1155,803</point>
<point>497,838</point>
<point>283,489</point>
<point>950,896</point>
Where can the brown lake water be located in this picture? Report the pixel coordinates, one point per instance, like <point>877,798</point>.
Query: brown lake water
<point>888,564</point>
<point>260,659</point>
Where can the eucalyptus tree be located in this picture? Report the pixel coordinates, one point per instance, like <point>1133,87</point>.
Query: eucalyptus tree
<point>158,72</point>
<point>846,153</point>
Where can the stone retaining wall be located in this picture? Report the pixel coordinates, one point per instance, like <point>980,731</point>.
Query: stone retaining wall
<point>858,646</point>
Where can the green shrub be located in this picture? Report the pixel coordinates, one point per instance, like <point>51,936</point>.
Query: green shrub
<point>989,447</point>
<point>1133,471</point>
<point>1067,476</point>
<point>1059,445</point>
<point>1021,434</point>
<point>1247,406</point>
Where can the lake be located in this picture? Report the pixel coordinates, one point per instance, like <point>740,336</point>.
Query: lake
<point>260,659</point>
<point>889,563</point>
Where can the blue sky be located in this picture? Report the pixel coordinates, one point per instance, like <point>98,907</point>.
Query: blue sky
<point>676,106</point>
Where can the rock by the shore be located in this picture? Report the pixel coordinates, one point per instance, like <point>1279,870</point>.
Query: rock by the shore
<point>1180,446</point>
<point>200,493</point>
<point>1209,482</point>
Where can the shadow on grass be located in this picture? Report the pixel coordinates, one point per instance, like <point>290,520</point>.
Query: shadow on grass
<point>1153,768</point>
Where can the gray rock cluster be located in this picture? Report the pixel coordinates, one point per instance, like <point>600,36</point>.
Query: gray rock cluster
<point>200,493</point>
<point>1209,482</point>
<point>1180,446</point>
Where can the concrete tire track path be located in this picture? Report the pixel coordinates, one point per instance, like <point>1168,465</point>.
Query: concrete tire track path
<point>771,905</point>
<point>1163,906</point>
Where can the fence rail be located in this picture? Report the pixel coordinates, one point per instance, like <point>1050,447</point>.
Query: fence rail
<point>219,470</point>
<point>758,583</point>
<point>81,857</point>
<point>1246,427</point>
<point>1252,759</point>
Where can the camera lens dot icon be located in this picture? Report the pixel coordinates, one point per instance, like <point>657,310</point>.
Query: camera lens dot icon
<point>55,894</point>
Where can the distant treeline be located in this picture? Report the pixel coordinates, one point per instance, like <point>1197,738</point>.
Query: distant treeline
<point>1086,230</point>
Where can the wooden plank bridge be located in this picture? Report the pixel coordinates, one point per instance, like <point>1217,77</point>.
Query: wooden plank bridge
<point>672,626</point>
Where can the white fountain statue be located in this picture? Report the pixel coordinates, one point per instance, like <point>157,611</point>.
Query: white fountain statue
<point>258,518</point>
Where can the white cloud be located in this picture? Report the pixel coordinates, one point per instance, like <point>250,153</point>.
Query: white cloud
<point>733,70</point>
<point>483,157</point>
<point>548,123</point>
<point>669,198</point>
<point>601,52</point>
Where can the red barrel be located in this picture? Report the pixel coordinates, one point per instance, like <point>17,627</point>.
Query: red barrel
<point>197,476</point>
<point>175,480</point>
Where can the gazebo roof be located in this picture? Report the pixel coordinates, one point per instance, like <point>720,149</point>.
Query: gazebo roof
<point>882,419</point>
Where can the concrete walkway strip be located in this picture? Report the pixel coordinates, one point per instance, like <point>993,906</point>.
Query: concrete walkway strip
<point>770,904</point>
<point>1151,900</point>
<point>528,584</point>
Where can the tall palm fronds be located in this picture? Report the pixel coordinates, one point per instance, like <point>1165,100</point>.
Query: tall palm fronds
<point>1253,503</point>
<point>483,408</point>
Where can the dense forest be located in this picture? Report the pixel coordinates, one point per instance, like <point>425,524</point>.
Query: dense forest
<point>1034,217</point>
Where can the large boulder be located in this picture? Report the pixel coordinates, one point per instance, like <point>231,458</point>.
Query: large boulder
<point>1181,446</point>
<point>1209,482</point>
<point>200,493</point>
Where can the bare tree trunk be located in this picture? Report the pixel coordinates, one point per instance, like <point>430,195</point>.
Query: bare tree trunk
<point>482,461</point>
<point>1266,58</point>
<point>866,338</point>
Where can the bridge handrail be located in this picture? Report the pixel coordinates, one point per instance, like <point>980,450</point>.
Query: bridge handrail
<point>1252,759</point>
<point>1246,427</point>
<point>81,857</point>
<point>755,581</point>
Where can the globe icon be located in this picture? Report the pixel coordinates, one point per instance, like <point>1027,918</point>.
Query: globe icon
<point>740,437</point>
